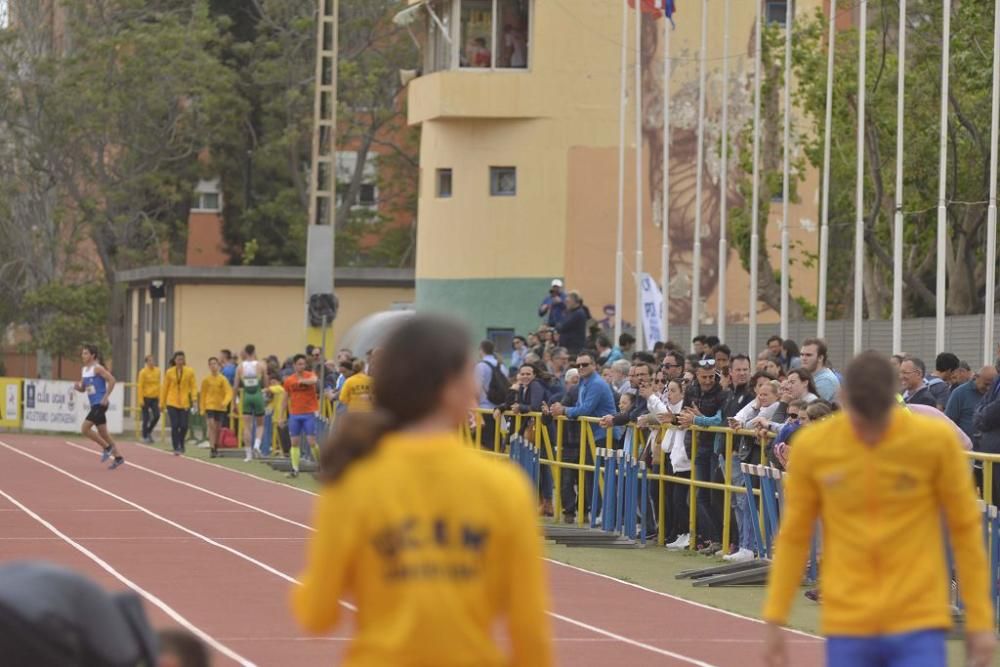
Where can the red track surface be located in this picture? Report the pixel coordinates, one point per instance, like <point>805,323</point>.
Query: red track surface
<point>220,549</point>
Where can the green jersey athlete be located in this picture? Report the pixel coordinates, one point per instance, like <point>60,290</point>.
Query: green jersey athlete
<point>251,377</point>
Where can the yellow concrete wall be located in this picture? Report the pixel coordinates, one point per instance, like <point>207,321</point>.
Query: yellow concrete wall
<point>567,97</point>
<point>558,123</point>
<point>210,317</point>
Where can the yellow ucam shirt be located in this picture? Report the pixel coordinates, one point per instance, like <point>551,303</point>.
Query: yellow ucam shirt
<point>356,394</point>
<point>434,543</point>
<point>149,382</point>
<point>216,394</point>
<point>883,511</point>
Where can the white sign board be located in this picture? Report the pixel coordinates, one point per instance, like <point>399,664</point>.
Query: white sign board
<point>54,405</point>
<point>652,311</point>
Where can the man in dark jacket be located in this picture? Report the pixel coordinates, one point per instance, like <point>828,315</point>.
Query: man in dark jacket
<point>740,395</point>
<point>573,329</point>
<point>703,406</point>
<point>911,378</point>
<point>987,423</point>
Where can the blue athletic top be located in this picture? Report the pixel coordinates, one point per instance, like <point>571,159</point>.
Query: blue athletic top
<point>94,385</point>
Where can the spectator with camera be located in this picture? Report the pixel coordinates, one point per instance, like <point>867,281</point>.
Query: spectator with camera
<point>553,306</point>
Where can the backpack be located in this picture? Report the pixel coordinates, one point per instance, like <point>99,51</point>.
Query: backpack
<point>498,387</point>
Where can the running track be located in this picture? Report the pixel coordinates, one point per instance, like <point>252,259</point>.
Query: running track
<point>216,550</point>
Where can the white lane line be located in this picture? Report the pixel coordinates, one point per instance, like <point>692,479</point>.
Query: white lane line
<point>219,466</point>
<point>674,597</point>
<point>199,488</point>
<point>152,599</point>
<point>566,619</point>
<point>174,524</point>
<point>631,642</point>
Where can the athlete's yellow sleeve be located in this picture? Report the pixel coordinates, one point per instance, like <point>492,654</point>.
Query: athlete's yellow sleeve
<point>204,393</point>
<point>165,390</point>
<point>957,496</point>
<point>228,397</point>
<point>192,384</point>
<point>791,548</point>
<point>527,589</point>
<point>315,603</point>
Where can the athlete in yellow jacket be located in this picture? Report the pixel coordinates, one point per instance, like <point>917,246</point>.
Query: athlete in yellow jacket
<point>880,479</point>
<point>179,393</point>
<point>432,541</point>
<point>216,395</point>
<point>149,397</point>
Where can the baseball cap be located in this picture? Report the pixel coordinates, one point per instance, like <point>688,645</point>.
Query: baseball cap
<point>557,283</point>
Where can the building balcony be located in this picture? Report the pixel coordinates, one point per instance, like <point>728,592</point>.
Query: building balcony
<point>475,94</point>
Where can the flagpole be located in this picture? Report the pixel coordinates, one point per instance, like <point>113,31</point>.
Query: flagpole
<point>991,220</point>
<point>665,244</point>
<point>859,203</point>
<point>755,196</point>
<point>897,233</point>
<point>700,162</point>
<point>620,241</point>
<point>942,208</point>
<point>640,338</point>
<point>786,170</point>
<point>824,229</point>
<point>724,174</point>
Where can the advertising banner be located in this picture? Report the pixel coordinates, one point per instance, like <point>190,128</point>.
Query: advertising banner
<point>10,402</point>
<point>54,405</point>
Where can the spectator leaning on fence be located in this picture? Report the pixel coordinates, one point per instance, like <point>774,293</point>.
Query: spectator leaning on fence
<point>885,584</point>
<point>911,378</point>
<point>489,370</point>
<point>703,407</point>
<point>595,400</point>
<point>940,381</point>
<point>987,424</point>
<point>815,360</point>
<point>966,397</point>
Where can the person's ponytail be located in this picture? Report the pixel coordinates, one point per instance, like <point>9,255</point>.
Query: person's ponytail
<point>355,436</point>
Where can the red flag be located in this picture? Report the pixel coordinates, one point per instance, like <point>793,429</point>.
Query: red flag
<point>649,7</point>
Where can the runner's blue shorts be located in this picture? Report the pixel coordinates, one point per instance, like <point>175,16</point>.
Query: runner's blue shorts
<point>301,425</point>
<point>925,648</point>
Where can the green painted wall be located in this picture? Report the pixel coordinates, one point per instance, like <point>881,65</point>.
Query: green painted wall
<point>486,302</point>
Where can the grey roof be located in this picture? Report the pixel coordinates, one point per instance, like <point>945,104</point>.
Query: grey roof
<point>267,275</point>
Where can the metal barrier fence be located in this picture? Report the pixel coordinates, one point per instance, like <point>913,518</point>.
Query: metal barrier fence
<point>550,455</point>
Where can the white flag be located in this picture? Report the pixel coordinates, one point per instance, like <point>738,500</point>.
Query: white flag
<point>652,311</point>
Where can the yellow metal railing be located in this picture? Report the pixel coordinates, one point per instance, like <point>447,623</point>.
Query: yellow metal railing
<point>551,455</point>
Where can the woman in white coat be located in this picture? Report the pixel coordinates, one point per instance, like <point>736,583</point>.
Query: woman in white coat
<point>665,410</point>
<point>758,411</point>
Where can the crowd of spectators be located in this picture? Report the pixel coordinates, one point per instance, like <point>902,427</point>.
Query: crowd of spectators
<point>569,367</point>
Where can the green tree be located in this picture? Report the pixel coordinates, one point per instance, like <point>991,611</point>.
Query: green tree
<point>266,171</point>
<point>115,119</point>
<point>69,316</point>
<point>967,146</point>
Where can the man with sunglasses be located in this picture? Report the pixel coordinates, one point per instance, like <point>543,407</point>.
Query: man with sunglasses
<point>673,366</point>
<point>595,400</point>
<point>703,406</point>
